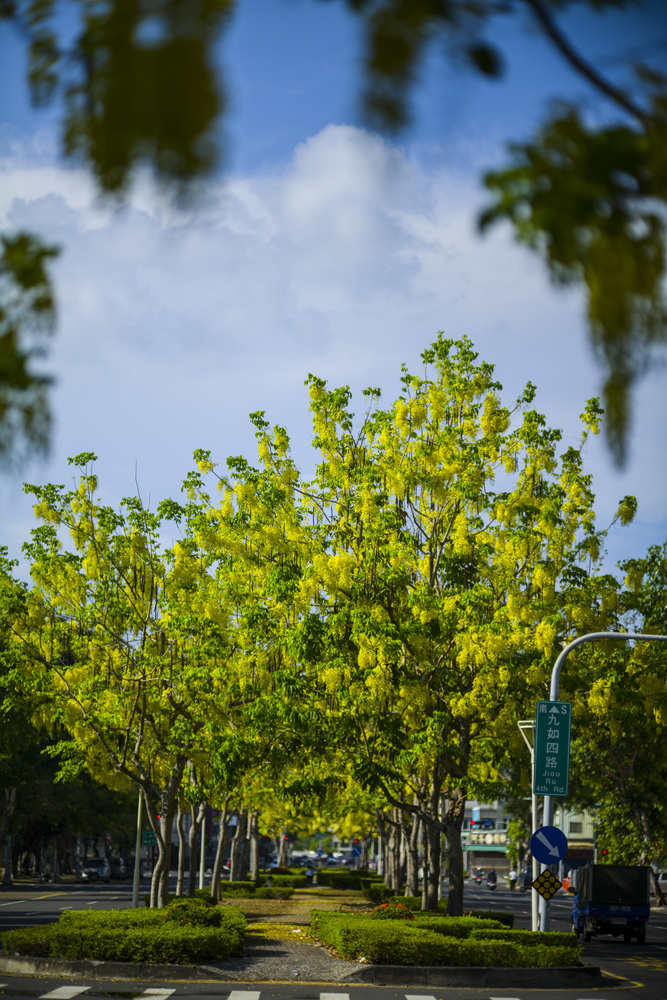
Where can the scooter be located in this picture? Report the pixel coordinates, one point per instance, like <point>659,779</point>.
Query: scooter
<point>491,882</point>
<point>479,877</point>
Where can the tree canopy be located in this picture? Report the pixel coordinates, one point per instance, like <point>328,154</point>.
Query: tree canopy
<point>356,648</point>
<point>137,84</point>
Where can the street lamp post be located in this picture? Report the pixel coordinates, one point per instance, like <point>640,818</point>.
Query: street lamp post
<point>553,696</point>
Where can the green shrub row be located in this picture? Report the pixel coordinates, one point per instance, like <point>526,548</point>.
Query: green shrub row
<point>393,943</point>
<point>507,919</point>
<point>550,939</point>
<point>343,878</point>
<point>234,890</point>
<point>414,903</point>
<point>282,881</point>
<point>376,892</point>
<point>343,881</point>
<point>185,933</point>
<point>459,927</point>
<point>245,890</point>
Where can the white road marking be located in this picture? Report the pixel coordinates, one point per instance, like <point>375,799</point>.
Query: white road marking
<point>244,995</point>
<point>337,996</point>
<point>64,993</point>
<point>418,996</point>
<point>14,902</point>
<point>503,998</point>
<point>157,993</point>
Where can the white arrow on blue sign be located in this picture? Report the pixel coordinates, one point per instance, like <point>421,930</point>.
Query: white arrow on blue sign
<point>548,845</point>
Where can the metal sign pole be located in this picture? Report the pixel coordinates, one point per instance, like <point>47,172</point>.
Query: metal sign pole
<point>524,726</point>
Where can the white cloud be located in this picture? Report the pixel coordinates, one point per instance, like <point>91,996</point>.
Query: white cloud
<point>176,323</point>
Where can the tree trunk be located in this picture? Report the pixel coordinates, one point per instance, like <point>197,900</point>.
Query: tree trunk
<point>647,852</point>
<point>235,851</point>
<point>244,849</point>
<point>453,821</point>
<point>398,852</point>
<point>162,828</point>
<point>365,848</point>
<point>219,852</point>
<point>197,814</point>
<point>253,831</point>
<point>412,846</point>
<point>160,880</point>
<point>425,865</point>
<point>381,829</point>
<point>180,826</point>
<point>281,848</point>
<point>8,810</point>
<point>432,877</point>
<point>388,877</point>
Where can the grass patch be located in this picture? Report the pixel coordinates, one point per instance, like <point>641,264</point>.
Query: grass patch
<point>284,932</point>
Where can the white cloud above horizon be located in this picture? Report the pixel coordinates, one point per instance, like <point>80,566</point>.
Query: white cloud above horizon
<point>176,323</point>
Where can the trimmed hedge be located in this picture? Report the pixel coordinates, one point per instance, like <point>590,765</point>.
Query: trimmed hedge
<point>459,927</point>
<point>378,892</point>
<point>282,881</point>
<point>343,881</point>
<point>550,939</point>
<point>394,943</point>
<point>239,888</point>
<point>184,934</point>
<point>235,890</point>
<point>507,919</point>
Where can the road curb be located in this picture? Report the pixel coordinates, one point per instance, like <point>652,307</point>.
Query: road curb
<point>81,968</point>
<point>376,975</point>
<point>478,977</point>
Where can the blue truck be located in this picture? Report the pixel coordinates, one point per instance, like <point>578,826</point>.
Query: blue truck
<point>612,899</point>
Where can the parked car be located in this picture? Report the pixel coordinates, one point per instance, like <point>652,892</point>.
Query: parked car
<point>662,882</point>
<point>96,870</point>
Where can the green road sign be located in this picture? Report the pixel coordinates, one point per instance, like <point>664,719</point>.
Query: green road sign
<point>148,839</point>
<point>552,748</point>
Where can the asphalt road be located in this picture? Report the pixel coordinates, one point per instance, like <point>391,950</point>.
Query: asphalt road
<point>632,972</point>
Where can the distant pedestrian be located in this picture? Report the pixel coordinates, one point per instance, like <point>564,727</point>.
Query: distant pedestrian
<point>513,878</point>
<point>309,875</point>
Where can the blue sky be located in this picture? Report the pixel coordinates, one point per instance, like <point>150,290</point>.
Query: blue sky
<point>324,247</point>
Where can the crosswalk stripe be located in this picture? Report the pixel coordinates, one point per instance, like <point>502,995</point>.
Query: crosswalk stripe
<point>337,996</point>
<point>64,993</point>
<point>157,993</point>
<point>418,996</point>
<point>244,995</point>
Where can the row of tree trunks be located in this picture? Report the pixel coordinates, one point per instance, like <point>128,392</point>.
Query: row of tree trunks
<point>243,849</point>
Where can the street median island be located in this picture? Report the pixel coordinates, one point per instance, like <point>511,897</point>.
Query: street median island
<point>338,940</point>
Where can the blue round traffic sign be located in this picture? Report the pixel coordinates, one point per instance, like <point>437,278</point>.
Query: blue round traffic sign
<point>548,845</point>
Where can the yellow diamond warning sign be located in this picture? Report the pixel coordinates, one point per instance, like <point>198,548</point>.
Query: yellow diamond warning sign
<point>547,884</point>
